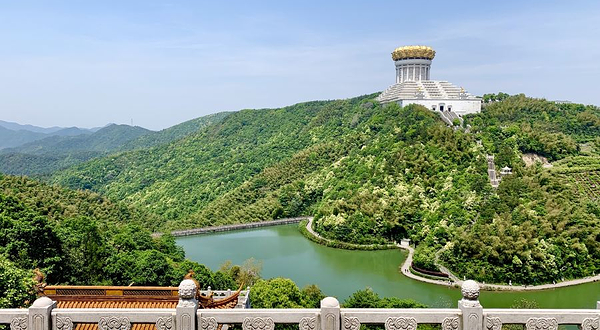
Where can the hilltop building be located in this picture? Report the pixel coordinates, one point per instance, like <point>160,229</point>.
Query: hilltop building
<point>413,85</point>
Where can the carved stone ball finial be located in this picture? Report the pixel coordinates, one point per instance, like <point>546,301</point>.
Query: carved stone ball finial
<point>42,302</point>
<point>470,290</point>
<point>187,289</point>
<point>330,302</point>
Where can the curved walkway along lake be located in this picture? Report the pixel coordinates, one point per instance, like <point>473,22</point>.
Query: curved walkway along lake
<point>455,281</point>
<point>286,253</point>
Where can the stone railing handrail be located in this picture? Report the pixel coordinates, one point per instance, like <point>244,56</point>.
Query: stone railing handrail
<point>94,315</point>
<point>470,315</point>
<point>276,315</point>
<point>9,314</point>
<point>379,316</point>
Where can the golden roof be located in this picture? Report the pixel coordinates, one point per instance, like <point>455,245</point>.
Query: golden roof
<point>405,52</point>
<point>80,296</point>
<point>72,296</point>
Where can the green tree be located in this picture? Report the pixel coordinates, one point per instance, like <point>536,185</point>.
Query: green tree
<point>276,293</point>
<point>312,296</point>
<point>16,285</point>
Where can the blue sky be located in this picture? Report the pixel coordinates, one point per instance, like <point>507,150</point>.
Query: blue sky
<point>84,63</point>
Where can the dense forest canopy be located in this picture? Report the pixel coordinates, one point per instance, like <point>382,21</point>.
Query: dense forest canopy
<point>81,238</point>
<point>373,173</point>
<point>47,155</point>
<point>84,239</point>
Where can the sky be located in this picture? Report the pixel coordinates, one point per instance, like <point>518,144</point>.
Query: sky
<point>159,63</point>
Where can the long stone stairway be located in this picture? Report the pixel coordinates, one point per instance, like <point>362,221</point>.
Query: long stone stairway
<point>448,117</point>
<point>494,180</point>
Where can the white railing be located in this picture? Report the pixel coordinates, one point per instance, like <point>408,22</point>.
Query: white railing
<point>469,315</point>
<point>17,318</point>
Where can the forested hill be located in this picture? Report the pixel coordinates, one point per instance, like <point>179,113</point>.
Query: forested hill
<point>14,135</point>
<point>180,179</point>
<point>58,152</point>
<point>55,152</point>
<point>107,138</point>
<point>82,238</point>
<point>174,132</point>
<point>10,138</point>
<point>372,173</point>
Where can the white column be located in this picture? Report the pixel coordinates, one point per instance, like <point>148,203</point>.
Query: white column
<point>401,78</point>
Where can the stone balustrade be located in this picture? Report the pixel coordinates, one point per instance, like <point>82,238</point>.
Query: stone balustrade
<point>470,315</point>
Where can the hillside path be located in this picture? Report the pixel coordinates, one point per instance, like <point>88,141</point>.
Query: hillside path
<point>405,269</point>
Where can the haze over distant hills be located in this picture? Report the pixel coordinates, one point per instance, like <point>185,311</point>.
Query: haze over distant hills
<point>54,151</point>
<point>14,134</point>
<point>46,130</point>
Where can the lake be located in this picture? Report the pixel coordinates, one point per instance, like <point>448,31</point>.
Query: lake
<point>284,252</point>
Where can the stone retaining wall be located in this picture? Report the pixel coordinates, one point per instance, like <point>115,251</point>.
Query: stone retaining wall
<point>239,226</point>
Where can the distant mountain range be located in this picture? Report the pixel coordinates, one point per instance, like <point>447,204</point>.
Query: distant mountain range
<point>26,152</point>
<point>46,130</point>
<point>14,134</point>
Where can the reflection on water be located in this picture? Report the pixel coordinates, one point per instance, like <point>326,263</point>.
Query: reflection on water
<point>286,253</point>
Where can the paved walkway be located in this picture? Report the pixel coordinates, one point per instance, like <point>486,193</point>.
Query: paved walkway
<point>455,281</point>
<point>405,268</point>
<point>315,234</point>
<point>541,286</point>
<point>445,270</point>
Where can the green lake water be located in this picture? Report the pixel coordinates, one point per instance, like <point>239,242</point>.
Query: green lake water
<point>284,252</point>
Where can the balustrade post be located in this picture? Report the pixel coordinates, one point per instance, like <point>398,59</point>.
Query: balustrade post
<point>472,311</point>
<point>597,304</point>
<point>40,314</point>
<point>330,314</point>
<point>185,314</point>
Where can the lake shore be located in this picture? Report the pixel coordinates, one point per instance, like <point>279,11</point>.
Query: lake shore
<point>454,281</point>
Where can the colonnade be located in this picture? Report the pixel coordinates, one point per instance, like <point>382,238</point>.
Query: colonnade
<point>412,70</point>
